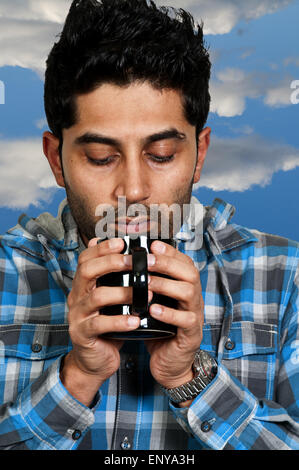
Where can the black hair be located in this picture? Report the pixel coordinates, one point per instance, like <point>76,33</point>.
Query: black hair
<point>122,41</point>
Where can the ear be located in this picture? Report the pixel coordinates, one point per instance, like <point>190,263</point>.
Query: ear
<point>51,151</point>
<point>203,145</point>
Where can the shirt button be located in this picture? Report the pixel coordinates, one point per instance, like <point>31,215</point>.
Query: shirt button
<point>205,426</point>
<point>125,445</point>
<point>130,365</point>
<point>229,345</point>
<point>36,347</point>
<point>76,434</point>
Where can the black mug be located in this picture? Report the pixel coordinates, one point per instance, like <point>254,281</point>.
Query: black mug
<point>137,278</point>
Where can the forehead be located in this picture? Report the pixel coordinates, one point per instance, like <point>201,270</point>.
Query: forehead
<point>137,108</point>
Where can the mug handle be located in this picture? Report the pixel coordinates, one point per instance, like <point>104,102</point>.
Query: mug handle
<point>140,281</point>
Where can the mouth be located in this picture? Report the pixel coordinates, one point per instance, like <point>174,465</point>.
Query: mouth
<point>137,225</point>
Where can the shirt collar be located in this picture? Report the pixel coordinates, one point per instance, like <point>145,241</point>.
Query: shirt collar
<point>62,231</point>
<point>217,218</point>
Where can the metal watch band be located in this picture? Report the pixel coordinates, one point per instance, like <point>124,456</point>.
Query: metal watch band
<point>205,368</point>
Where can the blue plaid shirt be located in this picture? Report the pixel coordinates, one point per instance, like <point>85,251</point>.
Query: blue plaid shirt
<point>250,288</point>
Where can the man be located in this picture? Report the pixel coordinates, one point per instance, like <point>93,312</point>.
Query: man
<point>127,98</point>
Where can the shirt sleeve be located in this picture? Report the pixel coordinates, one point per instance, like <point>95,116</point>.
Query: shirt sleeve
<point>45,416</point>
<point>226,415</point>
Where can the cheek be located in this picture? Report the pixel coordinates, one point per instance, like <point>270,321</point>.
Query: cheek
<point>174,185</point>
<point>81,181</point>
<point>182,178</point>
<point>88,189</point>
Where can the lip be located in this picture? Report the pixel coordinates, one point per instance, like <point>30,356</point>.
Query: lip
<point>128,226</point>
<point>135,221</point>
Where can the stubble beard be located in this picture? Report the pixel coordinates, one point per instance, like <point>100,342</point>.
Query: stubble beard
<point>82,214</point>
<point>86,221</point>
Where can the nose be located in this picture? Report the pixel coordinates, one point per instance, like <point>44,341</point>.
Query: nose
<point>133,182</point>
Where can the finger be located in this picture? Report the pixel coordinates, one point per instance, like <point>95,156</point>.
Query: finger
<point>104,296</point>
<point>175,268</point>
<point>95,249</point>
<point>101,297</point>
<point>187,320</point>
<point>96,325</point>
<point>161,248</point>
<point>179,290</point>
<point>87,273</point>
<point>92,242</point>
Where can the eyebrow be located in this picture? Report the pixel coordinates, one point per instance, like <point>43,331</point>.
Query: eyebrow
<point>93,138</point>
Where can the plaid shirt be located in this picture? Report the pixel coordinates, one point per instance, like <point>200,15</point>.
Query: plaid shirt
<point>250,288</point>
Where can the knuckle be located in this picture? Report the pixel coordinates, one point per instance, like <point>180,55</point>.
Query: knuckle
<point>82,258</point>
<point>73,332</point>
<point>110,259</point>
<point>83,271</point>
<point>159,283</point>
<point>194,275</point>
<point>102,247</point>
<point>72,329</point>
<point>189,291</point>
<point>118,261</point>
<point>113,261</point>
<point>93,323</point>
<point>163,261</point>
<point>189,260</point>
<point>96,296</point>
<point>168,261</point>
<point>172,315</point>
<point>192,319</point>
<point>100,250</point>
<point>70,300</point>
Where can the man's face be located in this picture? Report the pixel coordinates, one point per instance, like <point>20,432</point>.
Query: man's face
<point>131,142</point>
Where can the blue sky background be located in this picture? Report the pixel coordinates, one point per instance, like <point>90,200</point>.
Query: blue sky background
<point>253,162</point>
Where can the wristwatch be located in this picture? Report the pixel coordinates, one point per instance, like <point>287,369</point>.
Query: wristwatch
<point>205,369</point>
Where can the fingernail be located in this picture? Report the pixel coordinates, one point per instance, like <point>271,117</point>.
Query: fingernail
<point>133,322</point>
<point>151,259</point>
<point>159,247</point>
<point>156,309</point>
<point>115,243</point>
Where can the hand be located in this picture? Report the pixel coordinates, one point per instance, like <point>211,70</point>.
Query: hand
<point>172,359</point>
<point>93,358</point>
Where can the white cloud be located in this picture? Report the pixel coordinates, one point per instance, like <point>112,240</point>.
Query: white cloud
<point>26,43</point>
<point>279,95</point>
<point>25,176</point>
<point>234,128</point>
<point>230,89</point>
<point>44,10</point>
<point>41,123</point>
<point>220,16</point>
<point>28,29</point>
<point>240,163</point>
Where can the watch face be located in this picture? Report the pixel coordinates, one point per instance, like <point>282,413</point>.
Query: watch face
<point>205,368</point>
<point>206,363</point>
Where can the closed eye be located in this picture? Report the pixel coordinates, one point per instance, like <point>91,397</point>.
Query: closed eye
<point>161,159</point>
<point>100,161</point>
<point>109,160</point>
